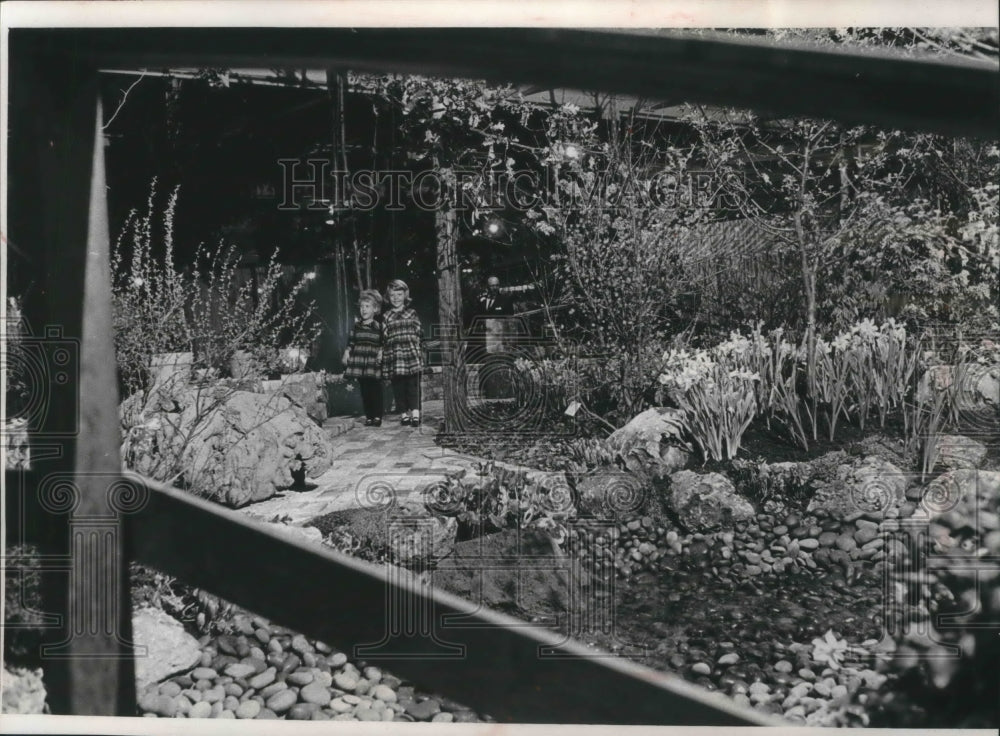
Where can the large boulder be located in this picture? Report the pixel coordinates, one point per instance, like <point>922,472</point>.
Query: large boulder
<point>167,648</point>
<point>956,451</point>
<point>232,446</point>
<point>654,441</point>
<point>305,390</point>
<point>979,384</point>
<point>706,502</point>
<point>867,486</point>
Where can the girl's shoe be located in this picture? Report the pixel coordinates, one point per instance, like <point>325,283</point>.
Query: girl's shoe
<point>377,422</point>
<point>415,422</point>
<point>405,421</point>
<point>369,422</point>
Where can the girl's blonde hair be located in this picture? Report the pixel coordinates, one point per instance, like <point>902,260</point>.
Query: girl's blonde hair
<point>398,285</point>
<point>371,295</point>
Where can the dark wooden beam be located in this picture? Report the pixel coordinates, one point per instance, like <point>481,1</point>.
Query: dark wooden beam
<point>951,96</point>
<point>491,662</point>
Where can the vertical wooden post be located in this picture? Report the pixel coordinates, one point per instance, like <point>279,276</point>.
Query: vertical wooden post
<point>449,308</point>
<point>61,206</point>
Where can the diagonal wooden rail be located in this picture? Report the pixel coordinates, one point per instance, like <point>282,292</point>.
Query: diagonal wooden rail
<point>57,207</point>
<point>499,665</point>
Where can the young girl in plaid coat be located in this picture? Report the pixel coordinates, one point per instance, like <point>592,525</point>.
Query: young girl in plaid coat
<point>402,358</point>
<point>363,356</point>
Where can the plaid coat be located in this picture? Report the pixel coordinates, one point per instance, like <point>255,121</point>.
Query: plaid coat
<point>364,344</point>
<point>401,349</point>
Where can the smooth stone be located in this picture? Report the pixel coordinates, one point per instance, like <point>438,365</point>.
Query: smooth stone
<point>263,636</point>
<point>292,662</point>
<point>384,692</point>
<point>701,668</point>
<point>300,677</point>
<point>302,711</point>
<point>322,648</point>
<point>783,666</point>
<point>240,669</point>
<point>274,687</point>
<point>200,710</point>
<point>352,699</point>
<point>300,644</point>
<point>204,673</point>
<point>337,659</point>
<point>367,714</point>
<point>443,718</point>
<point>424,710</point>
<point>170,689</point>
<point>846,542</point>
<point>730,658</point>
<point>214,695</point>
<point>373,674</point>
<point>267,714</point>
<point>341,706</point>
<point>248,709</point>
<point>315,693</point>
<point>264,679</point>
<point>282,701</point>
<point>345,681</point>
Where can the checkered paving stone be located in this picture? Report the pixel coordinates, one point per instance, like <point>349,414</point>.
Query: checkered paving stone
<point>404,458</point>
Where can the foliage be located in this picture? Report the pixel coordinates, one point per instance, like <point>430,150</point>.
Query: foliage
<point>959,607</point>
<point>211,309</point>
<point>22,620</point>
<point>498,498</point>
<point>719,401</point>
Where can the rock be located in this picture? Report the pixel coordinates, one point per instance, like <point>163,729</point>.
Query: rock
<point>980,385</point>
<point>302,711</point>
<point>24,691</point>
<point>337,659</point>
<point>701,668</point>
<point>200,710</point>
<point>809,543</point>
<point>232,446</point>
<point>367,714</point>
<point>264,679</point>
<point>869,486</point>
<point>865,534</point>
<point>345,681</point>
<point>299,642</point>
<point>846,542</point>
<point>385,693</point>
<point>274,687</point>
<point>657,436</point>
<point>168,648</point>
<point>424,710</point>
<point>300,677</point>
<point>204,673</point>
<point>730,658</point>
<point>706,502</point>
<point>315,693</point>
<point>341,706</point>
<point>306,390</point>
<point>240,670</point>
<point>281,701</point>
<point>783,665</point>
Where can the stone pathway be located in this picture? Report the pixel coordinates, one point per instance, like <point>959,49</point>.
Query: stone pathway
<point>369,465</point>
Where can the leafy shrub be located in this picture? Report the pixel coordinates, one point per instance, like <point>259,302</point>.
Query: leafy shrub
<point>210,308</point>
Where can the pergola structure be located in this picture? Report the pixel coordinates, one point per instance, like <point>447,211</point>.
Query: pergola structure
<point>96,519</point>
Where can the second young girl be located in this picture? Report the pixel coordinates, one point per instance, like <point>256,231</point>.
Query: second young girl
<point>402,359</point>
